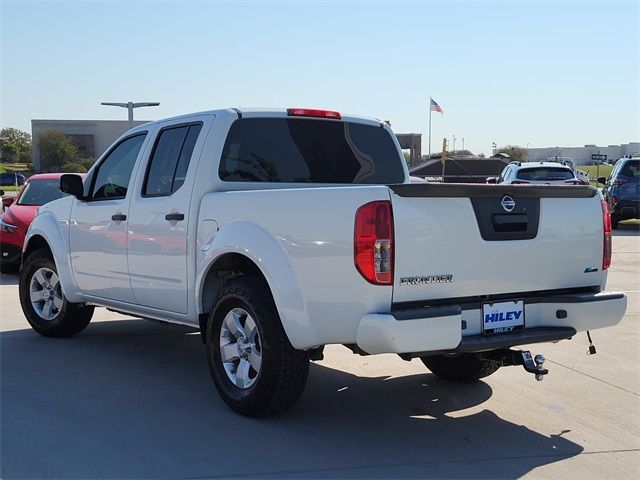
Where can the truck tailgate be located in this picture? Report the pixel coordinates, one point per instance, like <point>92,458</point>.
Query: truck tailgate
<point>458,240</point>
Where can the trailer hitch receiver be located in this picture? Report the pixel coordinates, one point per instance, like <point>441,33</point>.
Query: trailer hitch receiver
<point>534,364</point>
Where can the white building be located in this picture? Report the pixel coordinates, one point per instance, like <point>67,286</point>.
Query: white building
<point>582,155</point>
<point>91,137</point>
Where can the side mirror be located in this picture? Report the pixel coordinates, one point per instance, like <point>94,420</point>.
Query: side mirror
<point>72,184</point>
<point>602,180</point>
<point>7,201</point>
<point>492,179</point>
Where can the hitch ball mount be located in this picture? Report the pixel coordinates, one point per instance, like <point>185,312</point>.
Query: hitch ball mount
<point>534,364</point>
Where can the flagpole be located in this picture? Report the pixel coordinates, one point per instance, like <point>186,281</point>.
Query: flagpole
<point>429,158</point>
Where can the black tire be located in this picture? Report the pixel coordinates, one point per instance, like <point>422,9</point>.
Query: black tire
<point>614,222</point>
<point>71,319</point>
<point>283,371</point>
<point>9,268</point>
<point>468,367</point>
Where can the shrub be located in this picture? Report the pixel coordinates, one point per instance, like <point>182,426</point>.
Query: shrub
<point>73,167</point>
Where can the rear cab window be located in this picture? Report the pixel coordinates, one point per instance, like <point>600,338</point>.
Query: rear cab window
<point>542,174</point>
<point>301,150</point>
<point>630,169</point>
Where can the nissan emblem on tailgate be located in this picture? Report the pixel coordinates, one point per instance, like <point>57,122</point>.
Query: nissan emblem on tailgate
<point>508,203</point>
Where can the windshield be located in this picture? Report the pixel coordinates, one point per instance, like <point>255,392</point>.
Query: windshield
<point>39,192</point>
<point>308,150</point>
<point>545,174</point>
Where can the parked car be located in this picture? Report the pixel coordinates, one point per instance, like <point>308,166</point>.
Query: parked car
<point>19,213</point>
<point>7,200</point>
<point>12,178</point>
<point>622,190</point>
<point>540,173</point>
<point>277,232</point>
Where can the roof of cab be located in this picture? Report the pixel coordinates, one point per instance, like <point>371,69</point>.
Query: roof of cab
<point>254,112</point>
<point>543,164</point>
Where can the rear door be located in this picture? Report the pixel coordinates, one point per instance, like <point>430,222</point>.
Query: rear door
<point>159,219</point>
<point>471,240</point>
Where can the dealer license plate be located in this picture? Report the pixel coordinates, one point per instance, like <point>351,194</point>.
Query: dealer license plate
<point>502,317</point>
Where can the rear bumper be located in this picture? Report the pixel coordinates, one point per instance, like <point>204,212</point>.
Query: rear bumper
<point>458,328</point>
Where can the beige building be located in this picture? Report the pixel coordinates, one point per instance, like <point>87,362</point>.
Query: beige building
<point>582,155</point>
<point>91,137</point>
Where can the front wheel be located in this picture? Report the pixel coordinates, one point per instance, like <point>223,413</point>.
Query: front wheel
<point>468,367</point>
<point>255,369</point>
<point>44,305</point>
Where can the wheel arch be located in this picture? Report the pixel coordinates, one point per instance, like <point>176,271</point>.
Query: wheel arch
<point>45,232</point>
<point>241,248</point>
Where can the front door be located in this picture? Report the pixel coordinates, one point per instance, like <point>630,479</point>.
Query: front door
<point>159,220</point>
<point>98,225</point>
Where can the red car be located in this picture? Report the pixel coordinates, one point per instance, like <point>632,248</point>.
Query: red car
<point>14,222</point>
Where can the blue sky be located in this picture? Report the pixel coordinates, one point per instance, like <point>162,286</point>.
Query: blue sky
<point>542,73</point>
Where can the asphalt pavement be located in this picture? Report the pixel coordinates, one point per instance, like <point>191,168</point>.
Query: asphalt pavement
<point>131,398</point>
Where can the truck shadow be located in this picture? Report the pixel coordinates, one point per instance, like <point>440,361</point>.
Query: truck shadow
<point>133,399</point>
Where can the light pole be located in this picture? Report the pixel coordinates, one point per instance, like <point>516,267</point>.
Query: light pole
<point>130,106</point>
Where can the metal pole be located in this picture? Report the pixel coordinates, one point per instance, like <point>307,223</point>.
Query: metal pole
<point>130,112</point>
<point>429,129</point>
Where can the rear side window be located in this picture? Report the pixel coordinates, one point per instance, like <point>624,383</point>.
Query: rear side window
<point>309,151</point>
<point>170,160</point>
<point>542,174</point>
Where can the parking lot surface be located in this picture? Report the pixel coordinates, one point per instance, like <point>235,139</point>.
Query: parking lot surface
<point>130,398</point>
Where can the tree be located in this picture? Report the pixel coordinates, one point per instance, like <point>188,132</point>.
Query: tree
<point>15,145</point>
<point>515,152</point>
<point>56,150</point>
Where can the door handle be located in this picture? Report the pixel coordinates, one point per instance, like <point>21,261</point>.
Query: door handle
<point>174,217</point>
<point>118,217</point>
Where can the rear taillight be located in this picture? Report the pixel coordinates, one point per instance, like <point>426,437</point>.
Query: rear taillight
<point>313,112</point>
<point>373,242</point>
<point>606,242</point>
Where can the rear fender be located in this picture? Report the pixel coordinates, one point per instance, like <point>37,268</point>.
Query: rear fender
<point>255,243</point>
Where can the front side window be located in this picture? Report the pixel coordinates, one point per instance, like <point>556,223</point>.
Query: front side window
<point>38,192</point>
<point>297,150</point>
<point>170,160</point>
<point>114,172</point>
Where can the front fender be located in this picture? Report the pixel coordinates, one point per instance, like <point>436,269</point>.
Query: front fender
<point>55,232</point>
<point>255,243</point>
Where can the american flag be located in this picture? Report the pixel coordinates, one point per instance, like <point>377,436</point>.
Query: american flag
<point>435,107</point>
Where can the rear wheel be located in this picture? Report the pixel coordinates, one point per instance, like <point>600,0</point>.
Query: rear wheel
<point>614,221</point>
<point>467,367</point>
<point>44,305</point>
<point>254,367</point>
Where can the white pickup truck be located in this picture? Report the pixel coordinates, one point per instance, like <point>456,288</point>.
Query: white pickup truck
<point>279,232</point>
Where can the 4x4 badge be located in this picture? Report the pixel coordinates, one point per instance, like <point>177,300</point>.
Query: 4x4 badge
<point>508,203</point>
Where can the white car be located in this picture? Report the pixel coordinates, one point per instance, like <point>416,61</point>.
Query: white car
<point>540,173</point>
<point>277,232</point>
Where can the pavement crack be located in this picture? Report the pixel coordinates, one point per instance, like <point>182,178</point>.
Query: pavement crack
<point>594,378</point>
